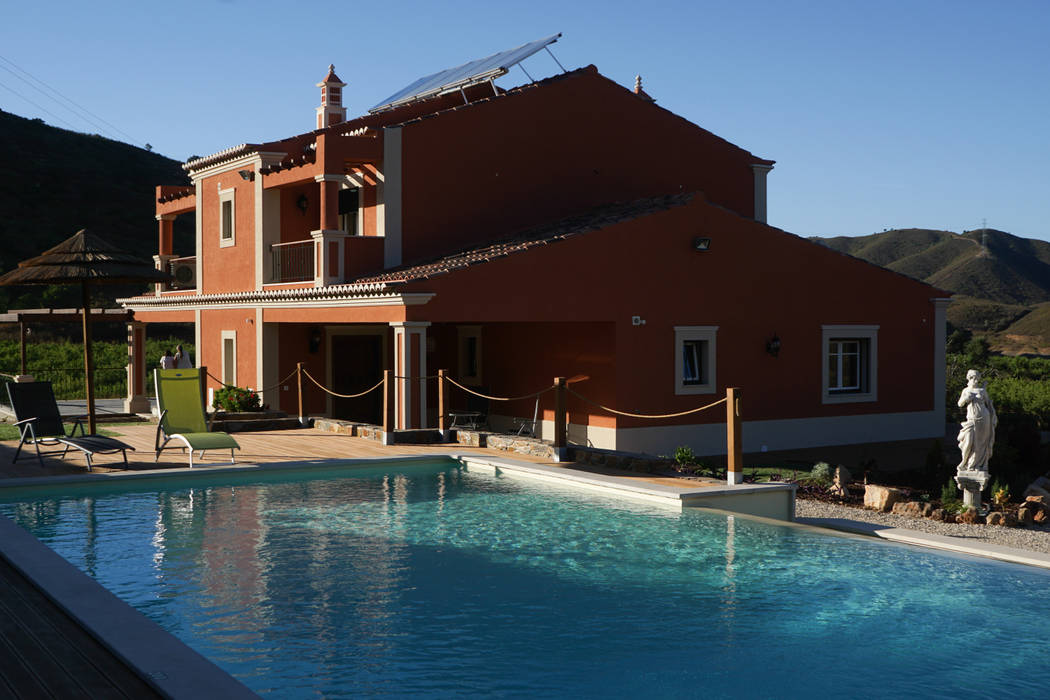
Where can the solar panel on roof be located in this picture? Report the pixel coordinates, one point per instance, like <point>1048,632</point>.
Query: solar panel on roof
<point>472,73</point>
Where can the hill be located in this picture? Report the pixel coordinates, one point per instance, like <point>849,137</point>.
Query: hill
<point>1001,282</point>
<point>55,182</point>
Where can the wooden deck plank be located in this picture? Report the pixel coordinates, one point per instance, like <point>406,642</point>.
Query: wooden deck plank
<point>49,655</point>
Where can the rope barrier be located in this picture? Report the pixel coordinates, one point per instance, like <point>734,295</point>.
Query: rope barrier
<point>499,398</point>
<point>645,415</point>
<point>341,396</point>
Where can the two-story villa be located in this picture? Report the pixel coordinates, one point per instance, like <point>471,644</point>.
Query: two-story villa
<point>566,227</point>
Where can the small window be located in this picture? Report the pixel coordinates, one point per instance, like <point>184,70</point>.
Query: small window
<point>227,218</point>
<point>470,354</point>
<point>229,357</point>
<point>349,203</point>
<point>850,364</point>
<point>695,359</point>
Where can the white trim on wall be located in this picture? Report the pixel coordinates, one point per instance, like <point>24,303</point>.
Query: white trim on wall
<point>869,334</point>
<point>225,376</point>
<point>785,434</point>
<point>228,195</point>
<point>707,335</point>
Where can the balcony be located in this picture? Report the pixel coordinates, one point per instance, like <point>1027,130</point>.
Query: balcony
<point>293,262</point>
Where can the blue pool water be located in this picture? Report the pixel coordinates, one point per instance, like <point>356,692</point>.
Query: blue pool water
<point>435,580</point>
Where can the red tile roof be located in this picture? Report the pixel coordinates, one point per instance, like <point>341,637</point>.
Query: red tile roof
<point>593,220</point>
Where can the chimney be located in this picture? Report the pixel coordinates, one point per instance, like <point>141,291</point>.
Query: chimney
<point>331,110</point>
<point>639,91</point>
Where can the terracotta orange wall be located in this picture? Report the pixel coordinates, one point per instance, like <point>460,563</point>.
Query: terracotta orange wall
<point>293,347</point>
<point>233,268</point>
<point>754,281</point>
<point>295,225</point>
<point>210,352</point>
<point>492,168</point>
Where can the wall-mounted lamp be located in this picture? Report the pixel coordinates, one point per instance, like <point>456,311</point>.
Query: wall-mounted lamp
<point>303,203</point>
<point>701,243</point>
<point>315,339</point>
<point>773,345</point>
<point>247,174</point>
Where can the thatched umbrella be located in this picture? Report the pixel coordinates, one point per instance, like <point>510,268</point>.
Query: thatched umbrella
<point>84,259</point>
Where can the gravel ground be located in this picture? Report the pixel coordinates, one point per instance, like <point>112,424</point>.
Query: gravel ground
<point>1033,539</point>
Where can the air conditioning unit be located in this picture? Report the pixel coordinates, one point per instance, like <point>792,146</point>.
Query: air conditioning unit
<point>185,274</point>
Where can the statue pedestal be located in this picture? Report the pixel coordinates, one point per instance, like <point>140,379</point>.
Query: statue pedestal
<point>971,483</point>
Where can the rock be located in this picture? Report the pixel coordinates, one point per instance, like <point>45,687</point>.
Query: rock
<point>996,519</point>
<point>1040,517</point>
<point>1025,515</point>
<point>881,498</point>
<point>936,514</point>
<point>969,517</point>
<point>1037,488</point>
<point>1038,503</point>
<point>899,508</point>
<point>1010,520</point>
<point>842,480</point>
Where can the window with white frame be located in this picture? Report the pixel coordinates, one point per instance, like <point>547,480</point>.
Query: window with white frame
<point>227,218</point>
<point>850,372</point>
<point>229,357</point>
<point>470,354</point>
<point>694,359</point>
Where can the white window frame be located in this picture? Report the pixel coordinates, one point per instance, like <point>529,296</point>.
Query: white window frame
<point>465,333</point>
<point>228,196</point>
<point>708,334</point>
<point>223,337</point>
<point>869,335</point>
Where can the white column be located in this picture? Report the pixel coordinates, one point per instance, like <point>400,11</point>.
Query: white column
<point>391,196</point>
<point>940,328</point>
<point>410,363</point>
<point>760,190</point>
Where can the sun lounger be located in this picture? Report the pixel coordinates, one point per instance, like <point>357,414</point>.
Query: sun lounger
<point>180,399</point>
<point>40,423</point>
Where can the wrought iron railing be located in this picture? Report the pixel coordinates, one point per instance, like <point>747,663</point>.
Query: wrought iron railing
<point>293,262</point>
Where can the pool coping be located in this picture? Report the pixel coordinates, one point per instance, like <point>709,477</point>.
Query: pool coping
<point>985,550</point>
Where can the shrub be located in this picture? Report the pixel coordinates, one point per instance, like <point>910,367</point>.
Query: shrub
<point>236,399</point>
<point>821,473</point>
<point>684,455</point>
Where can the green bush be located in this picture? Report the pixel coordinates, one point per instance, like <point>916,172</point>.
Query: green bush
<point>235,399</point>
<point>821,473</point>
<point>684,455</point>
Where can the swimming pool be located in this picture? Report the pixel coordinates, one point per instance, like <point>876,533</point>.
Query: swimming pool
<point>440,579</point>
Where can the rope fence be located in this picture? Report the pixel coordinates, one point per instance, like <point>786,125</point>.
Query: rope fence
<point>646,415</point>
<point>341,396</point>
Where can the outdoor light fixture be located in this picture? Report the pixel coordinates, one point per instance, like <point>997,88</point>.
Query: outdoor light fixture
<point>701,243</point>
<point>773,345</point>
<point>302,203</point>
<point>246,174</point>
<point>315,340</point>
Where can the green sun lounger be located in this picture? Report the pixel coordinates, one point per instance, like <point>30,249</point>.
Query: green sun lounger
<point>180,399</point>
<point>40,422</point>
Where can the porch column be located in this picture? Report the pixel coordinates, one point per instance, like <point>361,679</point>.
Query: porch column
<point>329,186</point>
<point>328,257</point>
<point>410,365</point>
<point>136,401</point>
<point>165,226</point>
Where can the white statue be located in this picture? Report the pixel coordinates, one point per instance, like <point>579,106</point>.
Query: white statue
<point>977,436</point>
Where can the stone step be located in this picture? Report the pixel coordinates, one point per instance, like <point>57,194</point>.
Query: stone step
<point>254,421</point>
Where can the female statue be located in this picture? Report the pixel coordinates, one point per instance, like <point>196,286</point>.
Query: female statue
<point>977,436</point>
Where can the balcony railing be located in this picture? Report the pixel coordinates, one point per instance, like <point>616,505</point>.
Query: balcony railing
<point>183,272</point>
<point>293,262</point>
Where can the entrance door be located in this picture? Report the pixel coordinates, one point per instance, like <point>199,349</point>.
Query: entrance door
<point>357,364</point>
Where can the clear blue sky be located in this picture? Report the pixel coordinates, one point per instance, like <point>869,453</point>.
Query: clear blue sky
<point>889,114</point>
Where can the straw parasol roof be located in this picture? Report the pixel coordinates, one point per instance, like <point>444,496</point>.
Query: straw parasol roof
<point>84,259</point>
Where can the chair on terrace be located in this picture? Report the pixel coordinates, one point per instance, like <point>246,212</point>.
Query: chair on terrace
<point>180,400</point>
<point>40,423</point>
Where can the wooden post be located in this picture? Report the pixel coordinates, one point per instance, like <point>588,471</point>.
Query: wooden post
<point>89,370</point>
<point>560,441</point>
<point>734,438</point>
<point>388,407</point>
<point>441,402</point>
<point>299,381</point>
<point>22,344</point>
